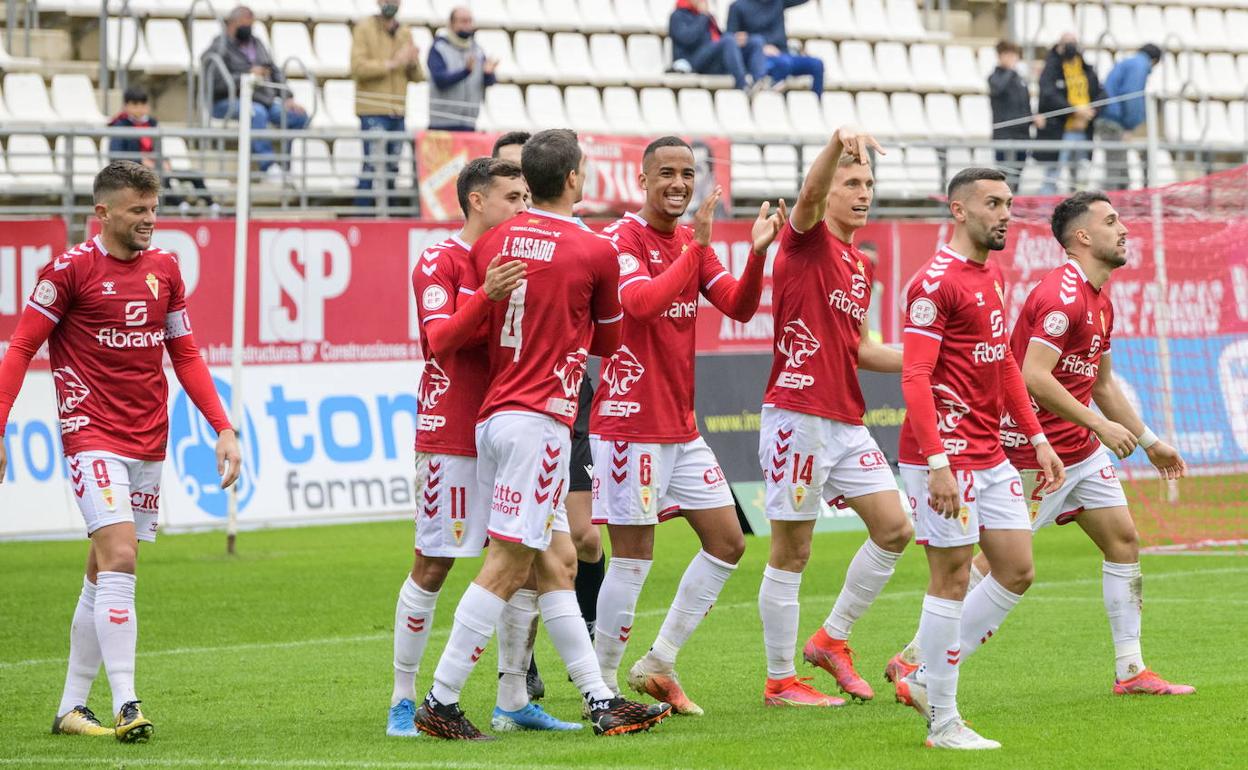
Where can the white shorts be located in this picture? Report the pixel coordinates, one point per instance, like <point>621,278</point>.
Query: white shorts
<point>638,483</point>
<point>522,464</point>
<point>452,508</point>
<point>992,498</point>
<point>807,459</point>
<point>1090,484</point>
<point>111,489</point>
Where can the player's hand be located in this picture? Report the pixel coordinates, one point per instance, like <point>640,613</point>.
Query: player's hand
<point>766,228</point>
<point>1164,457</point>
<point>4,460</point>
<point>502,277</point>
<point>705,217</point>
<point>942,492</point>
<point>855,142</point>
<point>1119,440</point>
<point>1052,466</point>
<point>229,458</point>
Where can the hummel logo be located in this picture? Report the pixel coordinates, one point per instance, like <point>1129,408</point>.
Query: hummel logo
<point>654,255</point>
<point>109,288</point>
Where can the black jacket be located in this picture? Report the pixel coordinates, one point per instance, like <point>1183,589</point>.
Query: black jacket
<point>1010,99</point>
<point>1053,97</point>
<point>237,63</point>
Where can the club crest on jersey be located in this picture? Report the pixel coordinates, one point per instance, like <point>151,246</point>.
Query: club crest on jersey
<point>923,312</point>
<point>45,293</point>
<point>647,496</point>
<point>1034,510</point>
<point>622,371</point>
<point>110,288</point>
<point>862,269</point>
<point>153,285</point>
<point>1000,291</point>
<point>109,500</point>
<point>1056,323</point>
<point>1104,327</point>
<point>457,529</point>
<point>964,518</point>
<point>433,297</point>
<point>799,495</point>
<point>628,264</point>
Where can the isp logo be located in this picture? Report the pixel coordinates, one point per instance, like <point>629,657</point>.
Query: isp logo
<point>192,444</point>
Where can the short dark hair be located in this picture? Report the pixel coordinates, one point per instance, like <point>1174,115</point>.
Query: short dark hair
<point>1071,210</point>
<point>480,174</point>
<point>972,175</point>
<point>547,159</point>
<point>135,95</point>
<point>508,139</point>
<point>660,143</point>
<point>1009,46</point>
<point>125,175</point>
<point>1152,51</point>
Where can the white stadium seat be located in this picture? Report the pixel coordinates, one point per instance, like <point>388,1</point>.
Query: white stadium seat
<point>858,64</point>
<point>904,22</point>
<point>533,58</point>
<point>825,50</point>
<point>584,108</point>
<point>942,115</point>
<point>497,45</point>
<point>697,111</point>
<point>633,16</point>
<point>873,110</point>
<point>291,41</point>
<point>927,67</point>
<point>1091,23</point>
<point>1179,22</point>
<point>659,111</point>
<point>1237,30</point>
<point>893,65</point>
<point>1223,77</point>
<point>610,59</point>
<point>806,116</point>
<point>1219,123</point>
<point>417,112</point>
<point>838,19</point>
<point>168,51</point>
<point>505,103</point>
<point>923,171</point>
<point>30,160</point>
<point>203,32</point>
<point>909,115</point>
<point>839,110</point>
<point>661,11</point>
<point>749,173</point>
<point>526,14</point>
<point>338,105</point>
<point>783,168</point>
<point>598,16</point>
<point>1150,23</point>
<point>312,165</point>
<point>645,57</point>
<point>890,174</point>
<point>413,12</point>
<point>963,71</point>
<point>1210,26</point>
<point>27,99</point>
<point>1027,20</point>
<point>544,104</point>
<point>771,116</point>
<point>562,15</point>
<point>308,97</point>
<point>986,58</point>
<point>1056,19</point>
<point>571,54</point>
<point>732,107</point>
<point>871,20</point>
<point>336,11</point>
<point>1121,23</point>
<point>805,21</point>
<point>86,158</point>
<point>976,116</point>
<point>73,99</point>
<point>620,105</point>
<point>332,45</point>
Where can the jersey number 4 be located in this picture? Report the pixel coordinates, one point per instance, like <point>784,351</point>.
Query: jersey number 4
<point>513,324</point>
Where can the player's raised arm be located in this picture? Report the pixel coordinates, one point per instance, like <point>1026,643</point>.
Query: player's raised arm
<point>1038,365</point>
<point>33,329</point>
<point>1018,404</point>
<point>738,298</point>
<point>1113,403</point>
<point>814,194</point>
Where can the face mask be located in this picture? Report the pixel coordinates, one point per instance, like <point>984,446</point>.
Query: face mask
<point>464,34</point>
<point>1070,51</point>
<point>243,33</point>
<point>389,10</point>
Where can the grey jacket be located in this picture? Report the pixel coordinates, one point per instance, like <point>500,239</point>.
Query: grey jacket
<point>238,64</point>
<point>455,94</point>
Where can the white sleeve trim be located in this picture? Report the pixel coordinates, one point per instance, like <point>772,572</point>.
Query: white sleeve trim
<point>44,311</point>
<point>466,290</point>
<point>429,318</point>
<point>1038,439</point>
<point>1046,342</point>
<point>634,279</point>
<point>612,319</point>
<point>714,280</point>
<point>933,335</point>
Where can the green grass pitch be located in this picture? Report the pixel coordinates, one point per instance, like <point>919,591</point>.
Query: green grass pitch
<point>280,658</point>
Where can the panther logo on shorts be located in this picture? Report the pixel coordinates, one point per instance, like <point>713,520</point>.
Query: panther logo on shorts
<point>622,371</point>
<point>950,408</point>
<point>70,389</point>
<point>433,384</point>
<point>571,370</point>
<point>797,343</point>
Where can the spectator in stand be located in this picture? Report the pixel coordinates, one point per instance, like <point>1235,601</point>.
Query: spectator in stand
<point>460,73</point>
<point>1067,81</point>
<point>698,42</point>
<point>1118,119</point>
<point>135,113</point>
<point>383,61</point>
<point>1011,100</point>
<point>762,21</point>
<point>271,103</point>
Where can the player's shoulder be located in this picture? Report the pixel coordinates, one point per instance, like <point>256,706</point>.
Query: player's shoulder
<point>935,279</point>
<point>1060,288</point>
<point>163,259</point>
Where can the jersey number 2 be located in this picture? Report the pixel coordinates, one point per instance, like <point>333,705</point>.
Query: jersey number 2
<point>513,324</point>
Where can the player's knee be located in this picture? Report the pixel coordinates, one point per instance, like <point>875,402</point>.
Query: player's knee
<point>430,574</point>
<point>791,558</point>
<point>120,558</point>
<point>1018,579</point>
<point>896,537</point>
<point>1124,548</point>
<point>588,544</point>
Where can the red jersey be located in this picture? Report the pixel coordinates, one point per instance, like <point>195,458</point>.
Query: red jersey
<point>539,339</point>
<point>1066,313</point>
<point>451,386</point>
<point>958,302</point>
<point>647,385</point>
<point>112,320</point>
<point>822,292</point>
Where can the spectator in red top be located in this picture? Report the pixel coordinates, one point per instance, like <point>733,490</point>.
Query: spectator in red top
<point>698,45</point>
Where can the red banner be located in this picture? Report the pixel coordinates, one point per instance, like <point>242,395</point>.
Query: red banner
<point>612,165</point>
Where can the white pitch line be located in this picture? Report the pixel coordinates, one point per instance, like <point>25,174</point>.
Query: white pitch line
<point>112,762</point>
<point>443,631</point>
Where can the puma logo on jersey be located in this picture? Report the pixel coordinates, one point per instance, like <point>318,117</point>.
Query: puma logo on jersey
<point>797,343</point>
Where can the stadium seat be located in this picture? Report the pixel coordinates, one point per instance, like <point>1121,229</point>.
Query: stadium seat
<point>1150,24</point>
<point>942,115</point>
<point>621,108</point>
<point>871,20</point>
<point>825,50</point>
<point>838,19</point>
<point>1121,23</point>
<point>1027,23</point>
<point>30,161</point>
<point>976,116</point>
<point>858,64</point>
<point>1224,79</point>
<point>873,110</point>
<point>633,17</point>
<point>544,104</point>
<point>909,115</point>
<point>406,180</point>
<point>415,12</point>
<point>927,67</point>
<point>1218,122</point>
<point>526,14</point>
<point>125,45</point>
<point>338,105</point>
<point>1180,24</point>
<point>963,71</point>
<point>332,45</point>
<point>806,116</point>
<point>1210,28</point>
<point>497,45</point>
<point>348,163</point>
<point>422,38</point>
<point>174,150</point>
<point>923,171</point>
<point>505,103</point>
<point>1183,121</point>
<point>203,32</point>
<point>732,107</point>
<point>839,110</point>
<point>771,116</point>
<point>783,170</point>
<point>645,58</point>
<point>417,111</point>
<point>697,112</point>
<point>73,99</point>
<point>1241,63</point>
<point>891,179</point>
<point>986,59</point>
<point>571,54</point>
<point>749,173</point>
<point>892,63</point>
<point>562,15</point>
<point>1056,19</point>
<point>27,99</point>
<point>659,111</point>
<point>1236,30</point>
<point>296,10</point>
<point>1091,24</point>
<point>338,12</point>
<point>308,97</point>
<point>661,12</point>
<point>583,105</point>
<point>534,62</point>
<point>86,160</point>
<point>1237,113</point>
<point>598,16</point>
<point>610,59</point>
<point>312,165</point>
<point>168,51</point>
<point>904,22</point>
<point>292,48</point>
<point>805,21</point>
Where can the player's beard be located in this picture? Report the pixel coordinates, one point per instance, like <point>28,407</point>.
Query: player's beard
<point>994,239</point>
<point>1113,258</point>
<point>135,241</point>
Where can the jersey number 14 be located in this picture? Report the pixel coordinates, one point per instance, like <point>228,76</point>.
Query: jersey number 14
<point>513,324</point>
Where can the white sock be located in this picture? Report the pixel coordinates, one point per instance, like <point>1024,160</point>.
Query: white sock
<point>566,628</point>
<point>117,628</point>
<point>84,652</point>
<point>704,578</point>
<point>476,617</point>
<point>617,606</point>
<point>517,627</point>
<point>938,634</point>
<point>870,569</point>
<point>1123,588</point>
<point>985,610</point>
<point>976,577</point>
<point>413,617</point>
<point>913,652</point>
<point>778,607</point>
